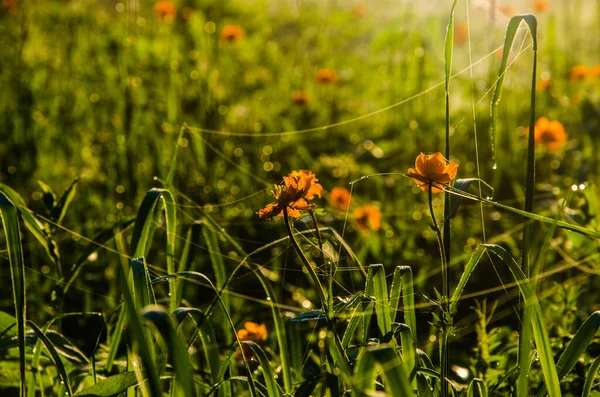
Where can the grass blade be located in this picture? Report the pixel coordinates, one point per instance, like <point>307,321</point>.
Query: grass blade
<point>60,367</point>
<point>263,360</point>
<point>380,291</point>
<point>207,338</point>
<point>390,364</point>
<point>591,376</point>
<point>177,350</point>
<point>111,386</point>
<point>10,223</point>
<point>578,345</point>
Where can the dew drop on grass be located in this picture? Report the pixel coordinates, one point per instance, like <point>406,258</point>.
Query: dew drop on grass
<point>574,188</point>
<point>581,187</point>
<point>495,166</point>
<point>268,298</point>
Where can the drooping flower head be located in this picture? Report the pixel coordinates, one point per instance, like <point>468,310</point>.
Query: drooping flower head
<point>367,218</point>
<point>165,10</point>
<point>326,76</point>
<point>549,133</point>
<point>340,198</point>
<point>298,188</point>
<point>300,98</point>
<point>231,33</point>
<point>432,171</point>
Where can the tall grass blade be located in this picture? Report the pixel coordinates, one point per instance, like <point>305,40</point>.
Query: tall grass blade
<point>142,288</point>
<point>60,366</point>
<point>10,224</point>
<point>140,342</point>
<point>207,338</point>
<point>62,204</point>
<point>177,350</point>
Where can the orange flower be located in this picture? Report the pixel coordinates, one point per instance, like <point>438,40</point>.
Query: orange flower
<point>165,10</point>
<point>595,71</point>
<point>359,10</point>
<point>300,98</point>
<point>540,5</point>
<point>231,33</point>
<point>508,9</point>
<point>549,133</point>
<point>461,33</point>
<point>368,218</point>
<point>432,170</point>
<point>340,198</point>
<point>579,72</point>
<point>326,76</point>
<point>8,6</point>
<point>544,83</point>
<point>298,188</point>
<point>251,332</point>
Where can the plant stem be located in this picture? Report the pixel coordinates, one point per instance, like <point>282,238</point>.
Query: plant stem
<point>329,268</point>
<point>305,261</point>
<point>445,293</point>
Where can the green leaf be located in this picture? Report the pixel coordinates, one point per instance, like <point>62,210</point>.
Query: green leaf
<point>111,386</point>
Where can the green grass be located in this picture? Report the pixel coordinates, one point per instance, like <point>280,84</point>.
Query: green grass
<point>136,153</point>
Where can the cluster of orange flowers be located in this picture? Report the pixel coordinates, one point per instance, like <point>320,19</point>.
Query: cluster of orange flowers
<point>550,134</point>
<point>582,72</point>
<point>251,332</point>
<point>367,217</point>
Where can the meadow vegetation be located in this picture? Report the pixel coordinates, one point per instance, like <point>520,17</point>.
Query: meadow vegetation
<point>299,198</point>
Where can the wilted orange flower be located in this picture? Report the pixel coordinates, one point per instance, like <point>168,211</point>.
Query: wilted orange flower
<point>432,170</point>
<point>339,198</point>
<point>368,218</point>
<point>165,10</point>
<point>298,188</point>
<point>461,33</point>
<point>232,33</point>
<point>508,9</point>
<point>300,98</point>
<point>549,133</point>
<point>540,5</point>
<point>579,72</point>
<point>251,332</point>
<point>359,10</point>
<point>326,76</point>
